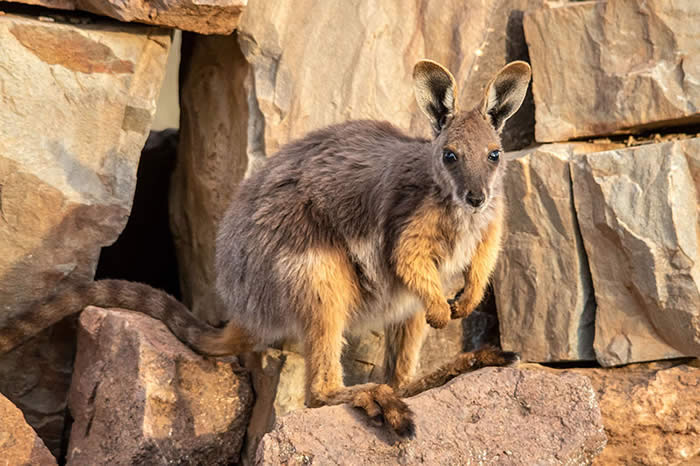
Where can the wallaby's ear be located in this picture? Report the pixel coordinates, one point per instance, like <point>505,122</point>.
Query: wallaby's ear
<point>505,93</point>
<point>435,92</point>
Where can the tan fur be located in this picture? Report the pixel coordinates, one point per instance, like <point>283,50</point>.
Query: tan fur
<point>403,343</point>
<point>419,252</point>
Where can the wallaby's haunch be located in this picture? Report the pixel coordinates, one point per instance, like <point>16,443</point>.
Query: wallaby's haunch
<point>353,226</point>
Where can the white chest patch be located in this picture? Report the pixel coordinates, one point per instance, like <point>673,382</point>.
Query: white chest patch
<point>469,236</point>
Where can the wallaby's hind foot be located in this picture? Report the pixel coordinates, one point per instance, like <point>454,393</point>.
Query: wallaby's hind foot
<point>381,403</point>
<point>464,362</point>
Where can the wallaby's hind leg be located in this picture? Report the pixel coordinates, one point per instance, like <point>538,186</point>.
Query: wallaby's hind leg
<point>464,362</point>
<point>332,293</point>
<point>324,372</point>
<point>403,342</point>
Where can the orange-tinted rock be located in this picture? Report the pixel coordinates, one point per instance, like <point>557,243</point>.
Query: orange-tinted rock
<point>651,412</point>
<point>201,16</point>
<point>19,444</point>
<point>139,396</point>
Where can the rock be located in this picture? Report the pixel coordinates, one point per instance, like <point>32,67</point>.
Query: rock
<point>201,16</point>
<point>495,415</point>
<point>651,412</point>
<point>616,66</point>
<point>69,149</point>
<point>19,444</point>
<point>638,213</point>
<point>139,396</point>
<point>358,61</point>
<point>211,160</point>
<point>542,246</point>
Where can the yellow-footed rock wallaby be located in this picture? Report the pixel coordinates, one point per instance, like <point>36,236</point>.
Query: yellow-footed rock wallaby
<point>354,226</point>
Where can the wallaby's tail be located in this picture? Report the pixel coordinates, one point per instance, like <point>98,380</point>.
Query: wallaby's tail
<point>127,295</point>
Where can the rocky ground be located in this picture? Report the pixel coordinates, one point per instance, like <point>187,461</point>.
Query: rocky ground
<point>598,284</point>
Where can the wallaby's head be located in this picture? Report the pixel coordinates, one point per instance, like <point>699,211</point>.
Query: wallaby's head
<point>466,149</point>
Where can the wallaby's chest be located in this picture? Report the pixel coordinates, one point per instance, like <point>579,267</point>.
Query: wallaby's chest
<point>386,299</point>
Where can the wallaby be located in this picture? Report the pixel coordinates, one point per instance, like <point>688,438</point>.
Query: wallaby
<point>354,226</point>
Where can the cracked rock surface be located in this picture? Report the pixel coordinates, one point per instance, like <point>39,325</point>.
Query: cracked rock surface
<point>76,106</point>
<point>139,396</point>
<point>605,67</point>
<point>638,213</point>
<point>495,415</point>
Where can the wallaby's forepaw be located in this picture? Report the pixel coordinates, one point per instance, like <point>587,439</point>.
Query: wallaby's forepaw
<point>462,307</point>
<point>382,403</point>
<point>438,314</point>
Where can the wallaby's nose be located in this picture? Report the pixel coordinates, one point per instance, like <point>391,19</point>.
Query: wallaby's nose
<point>475,199</point>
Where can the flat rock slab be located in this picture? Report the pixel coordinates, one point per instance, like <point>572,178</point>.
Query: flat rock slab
<point>76,106</point>
<point>613,66</point>
<point>201,16</point>
<point>638,213</point>
<point>493,416</point>
<point>19,444</point>
<point>139,396</point>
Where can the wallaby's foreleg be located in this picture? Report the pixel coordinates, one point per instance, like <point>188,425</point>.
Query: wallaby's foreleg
<point>403,342</point>
<point>464,362</point>
<point>415,264</point>
<point>476,277</point>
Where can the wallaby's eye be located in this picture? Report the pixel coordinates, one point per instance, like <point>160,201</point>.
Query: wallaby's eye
<point>449,156</point>
<point>494,155</point>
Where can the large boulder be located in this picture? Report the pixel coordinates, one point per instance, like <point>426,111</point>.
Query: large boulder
<point>638,213</point>
<point>201,16</point>
<point>19,444</point>
<point>139,396</point>
<point>543,288</point>
<point>495,415</point>
<point>613,66</point>
<point>651,412</point>
<point>76,107</point>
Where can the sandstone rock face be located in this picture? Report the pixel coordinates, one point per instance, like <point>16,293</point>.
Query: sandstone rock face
<point>636,64</point>
<point>139,396</point>
<point>76,104</point>
<point>638,213</point>
<point>201,16</point>
<point>211,160</point>
<point>651,413</point>
<point>357,60</point>
<point>544,294</point>
<point>19,444</point>
<point>496,415</point>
